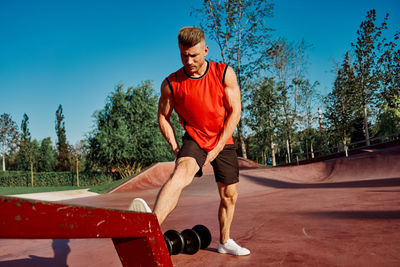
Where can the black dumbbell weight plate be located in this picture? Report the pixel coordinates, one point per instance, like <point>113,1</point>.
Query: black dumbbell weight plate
<point>174,242</point>
<point>192,241</point>
<point>205,235</point>
<point>168,244</point>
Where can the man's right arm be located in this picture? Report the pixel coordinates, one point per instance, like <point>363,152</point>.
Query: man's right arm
<point>165,108</point>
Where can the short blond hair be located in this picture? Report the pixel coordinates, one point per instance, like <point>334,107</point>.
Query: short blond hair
<point>190,36</point>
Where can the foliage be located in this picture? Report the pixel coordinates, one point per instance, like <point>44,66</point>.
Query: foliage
<point>23,178</point>
<point>9,136</point>
<point>342,106</point>
<point>264,111</point>
<point>388,122</point>
<point>126,136</point>
<point>389,71</point>
<point>365,65</point>
<point>288,64</point>
<point>63,155</point>
<point>366,84</point>
<point>22,159</point>
<point>47,156</point>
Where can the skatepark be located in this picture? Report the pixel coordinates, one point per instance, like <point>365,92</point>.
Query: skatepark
<point>337,212</point>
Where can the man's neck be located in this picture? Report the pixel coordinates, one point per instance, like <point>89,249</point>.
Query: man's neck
<point>200,72</point>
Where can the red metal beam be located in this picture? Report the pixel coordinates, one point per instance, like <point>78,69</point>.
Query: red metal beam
<point>137,237</point>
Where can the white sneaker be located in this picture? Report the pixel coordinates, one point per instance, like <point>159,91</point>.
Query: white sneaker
<point>230,247</point>
<point>139,205</point>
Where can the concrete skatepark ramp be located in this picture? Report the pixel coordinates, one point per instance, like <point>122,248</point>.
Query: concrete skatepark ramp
<point>339,212</point>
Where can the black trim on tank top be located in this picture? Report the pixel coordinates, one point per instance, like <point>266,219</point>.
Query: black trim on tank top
<point>170,85</point>
<point>197,78</point>
<point>223,75</point>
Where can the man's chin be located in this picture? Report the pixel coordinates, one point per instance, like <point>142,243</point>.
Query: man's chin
<point>190,70</point>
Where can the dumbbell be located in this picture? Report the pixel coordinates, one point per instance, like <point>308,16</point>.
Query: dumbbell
<point>188,241</point>
<point>174,241</point>
<point>199,237</point>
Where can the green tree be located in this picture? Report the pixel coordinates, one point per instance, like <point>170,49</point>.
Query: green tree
<point>29,150</point>
<point>264,110</point>
<point>341,103</point>
<point>33,156</point>
<point>365,65</point>
<point>126,136</point>
<point>240,30</point>
<point>307,108</point>
<point>9,136</point>
<point>388,122</point>
<point>22,160</point>
<point>63,155</point>
<point>287,64</point>
<point>47,156</point>
<point>389,70</point>
<point>310,139</point>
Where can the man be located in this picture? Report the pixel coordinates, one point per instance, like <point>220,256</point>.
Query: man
<point>206,97</point>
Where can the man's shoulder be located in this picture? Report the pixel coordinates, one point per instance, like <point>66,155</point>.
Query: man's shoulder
<point>174,75</point>
<point>217,63</point>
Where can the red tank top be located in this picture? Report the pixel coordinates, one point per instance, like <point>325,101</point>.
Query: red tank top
<point>199,103</point>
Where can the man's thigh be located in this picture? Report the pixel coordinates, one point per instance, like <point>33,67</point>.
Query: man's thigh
<point>192,150</point>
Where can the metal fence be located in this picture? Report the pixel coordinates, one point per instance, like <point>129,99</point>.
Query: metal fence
<point>345,149</point>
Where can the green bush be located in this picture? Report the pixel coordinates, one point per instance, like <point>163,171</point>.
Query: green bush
<point>23,178</point>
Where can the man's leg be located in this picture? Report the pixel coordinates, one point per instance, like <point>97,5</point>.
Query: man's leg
<point>228,195</point>
<point>167,199</point>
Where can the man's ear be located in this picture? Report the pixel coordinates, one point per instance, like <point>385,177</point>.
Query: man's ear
<point>206,50</point>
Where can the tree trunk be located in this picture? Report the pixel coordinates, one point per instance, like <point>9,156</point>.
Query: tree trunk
<point>241,140</point>
<point>31,163</point>
<point>366,133</point>
<point>312,151</point>
<point>264,156</point>
<point>288,150</point>
<point>306,148</point>
<point>288,126</point>
<point>272,150</point>
<point>4,162</point>
<point>271,139</point>
<point>77,172</point>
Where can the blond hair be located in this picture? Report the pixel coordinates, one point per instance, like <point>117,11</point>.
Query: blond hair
<point>190,36</point>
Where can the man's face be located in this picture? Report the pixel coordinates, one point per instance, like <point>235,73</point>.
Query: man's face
<point>193,58</point>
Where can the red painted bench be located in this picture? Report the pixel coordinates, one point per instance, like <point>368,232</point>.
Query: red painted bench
<point>137,237</point>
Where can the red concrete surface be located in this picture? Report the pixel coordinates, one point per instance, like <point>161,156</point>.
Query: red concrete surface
<point>343,212</point>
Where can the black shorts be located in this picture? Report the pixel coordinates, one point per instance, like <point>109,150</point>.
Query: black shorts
<point>225,165</point>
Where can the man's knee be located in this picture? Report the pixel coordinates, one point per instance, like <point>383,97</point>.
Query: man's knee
<point>184,172</point>
<point>229,199</point>
<point>228,194</point>
<point>180,180</point>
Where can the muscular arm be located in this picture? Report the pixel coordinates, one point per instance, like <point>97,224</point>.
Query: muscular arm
<point>234,108</point>
<point>165,108</point>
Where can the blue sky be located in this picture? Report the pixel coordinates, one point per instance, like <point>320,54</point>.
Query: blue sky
<point>74,53</point>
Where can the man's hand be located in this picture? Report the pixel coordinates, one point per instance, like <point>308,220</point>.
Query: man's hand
<point>212,155</point>
<point>176,151</point>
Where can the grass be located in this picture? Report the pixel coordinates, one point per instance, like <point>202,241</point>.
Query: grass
<point>100,189</point>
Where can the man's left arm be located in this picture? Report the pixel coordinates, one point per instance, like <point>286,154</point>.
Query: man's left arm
<point>233,107</point>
